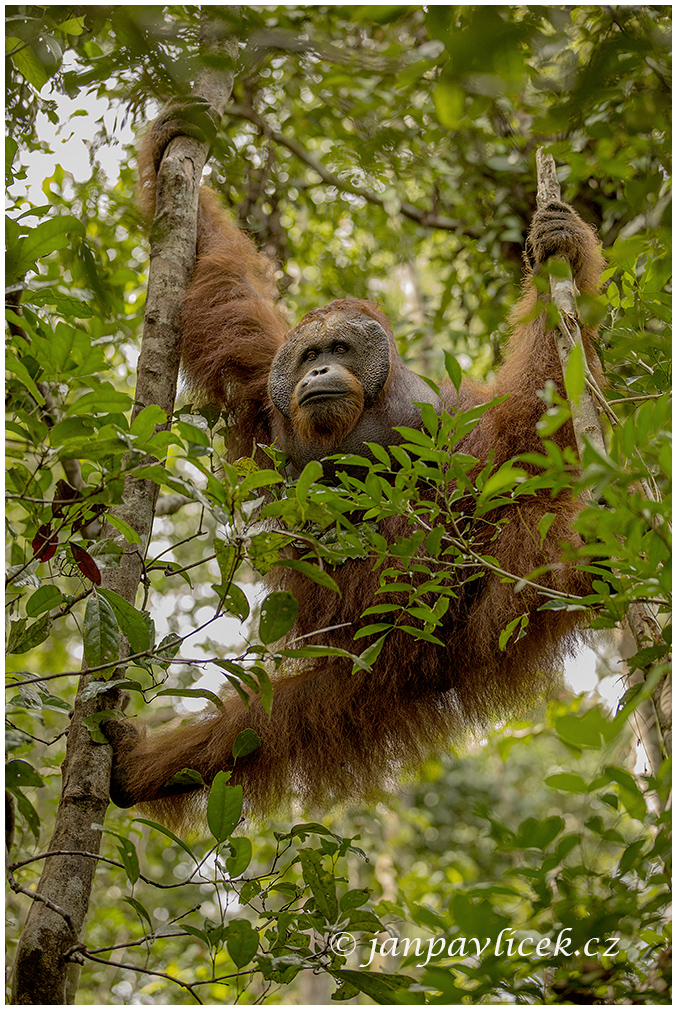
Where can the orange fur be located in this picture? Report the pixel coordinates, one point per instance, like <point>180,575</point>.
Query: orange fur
<point>333,736</point>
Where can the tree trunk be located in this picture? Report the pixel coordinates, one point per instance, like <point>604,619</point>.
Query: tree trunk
<point>45,969</point>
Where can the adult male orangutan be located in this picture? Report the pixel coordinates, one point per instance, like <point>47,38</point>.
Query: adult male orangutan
<point>328,385</point>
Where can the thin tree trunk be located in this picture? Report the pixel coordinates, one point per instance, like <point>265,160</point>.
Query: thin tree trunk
<point>46,970</point>
<point>654,722</point>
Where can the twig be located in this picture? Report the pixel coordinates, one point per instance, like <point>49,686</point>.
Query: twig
<point>423,217</point>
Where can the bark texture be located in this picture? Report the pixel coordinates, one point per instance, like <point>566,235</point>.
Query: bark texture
<point>45,969</point>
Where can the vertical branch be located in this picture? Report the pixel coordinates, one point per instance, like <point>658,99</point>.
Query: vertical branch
<point>587,427</point>
<point>44,970</point>
<point>641,620</point>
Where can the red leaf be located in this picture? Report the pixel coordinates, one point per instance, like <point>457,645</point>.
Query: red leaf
<point>86,564</point>
<point>45,543</point>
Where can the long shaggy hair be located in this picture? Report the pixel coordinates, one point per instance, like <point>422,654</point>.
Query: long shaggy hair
<point>334,735</point>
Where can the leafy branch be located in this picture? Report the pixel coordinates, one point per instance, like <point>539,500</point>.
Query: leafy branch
<point>428,219</point>
<point>641,617</point>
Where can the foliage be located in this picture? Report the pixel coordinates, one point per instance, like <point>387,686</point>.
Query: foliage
<point>385,152</point>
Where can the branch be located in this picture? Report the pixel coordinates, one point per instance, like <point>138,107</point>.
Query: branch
<point>587,427</point>
<point>423,217</point>
<point>170,504</point>
<point>42,975</point>
<point>641,618</point>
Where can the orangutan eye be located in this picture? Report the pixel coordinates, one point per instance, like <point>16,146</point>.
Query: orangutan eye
<point>339,348</point>
<point>310,355</point>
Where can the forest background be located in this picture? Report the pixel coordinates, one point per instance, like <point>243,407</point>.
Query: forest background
<point>386,152</point>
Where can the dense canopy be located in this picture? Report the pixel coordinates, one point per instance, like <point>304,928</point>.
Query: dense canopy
<point>380,152</point>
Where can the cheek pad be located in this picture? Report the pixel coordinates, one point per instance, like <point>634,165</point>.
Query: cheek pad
<point>374,360</point>
<point>369,361</point>
<point>282,378</point>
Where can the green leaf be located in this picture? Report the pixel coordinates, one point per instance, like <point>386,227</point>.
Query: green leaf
<point>537,834</point>
<point>72,26</point>
<point>433,541</point>
<point>15,366</point>
<point>28,812</point>
<point>161,477</point>
<point>321,883</point>
<point>379,453</point>
<point>130,859</point>
<point>240,858</point>
<point>104,400</point>
<point>185,779</point>
<point>11,148</point>
<point>170,834</point>
<point>379,986</point>
<point>191,692</point>
<point>369,656</point>
<point>206,936</point>
<point>632,858</point>
<point>416,437</point>
<point>246,742</point>
<point>192,434</point>
<point>167,649</point>
<point>504,479</point>
<point>265,549</point>
<point>43,599</point>
<point>70,429</point>
<point>234,600</point>
<point>364,920</point>
<point>242,942</point>
<point>371,629</point>
<point>264,478</point>
<point>265,690</point>
<point>227,557</point>
<point>567,782</point>
<point>630,794</point>
<point>355,898</point>
<point>314,651</point>
<point>130,535</point>
<point>134,624</point>
<point>27,63</point>
<point>520,622</point>
<point>100,633</point>
<point>574,379</point>
<point>449,104</point>
<point>424,636</point>
<point>224,807</point>
<point>20,774</point>
<point>71,352</point>
<point>45,238</point>
<point>140,909</point>
<point>315,574</point>
<point>15,635</point>
<point>312,472</point>
<point>96,687</point>
<point>278,615</point>
<point>584,730</point>
<point>23,637</point>
<point>453,369</point>
<point>146,421</point>
<point>544,523</point>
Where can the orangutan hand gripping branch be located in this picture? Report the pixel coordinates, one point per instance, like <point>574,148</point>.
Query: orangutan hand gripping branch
<point>332,383</point>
